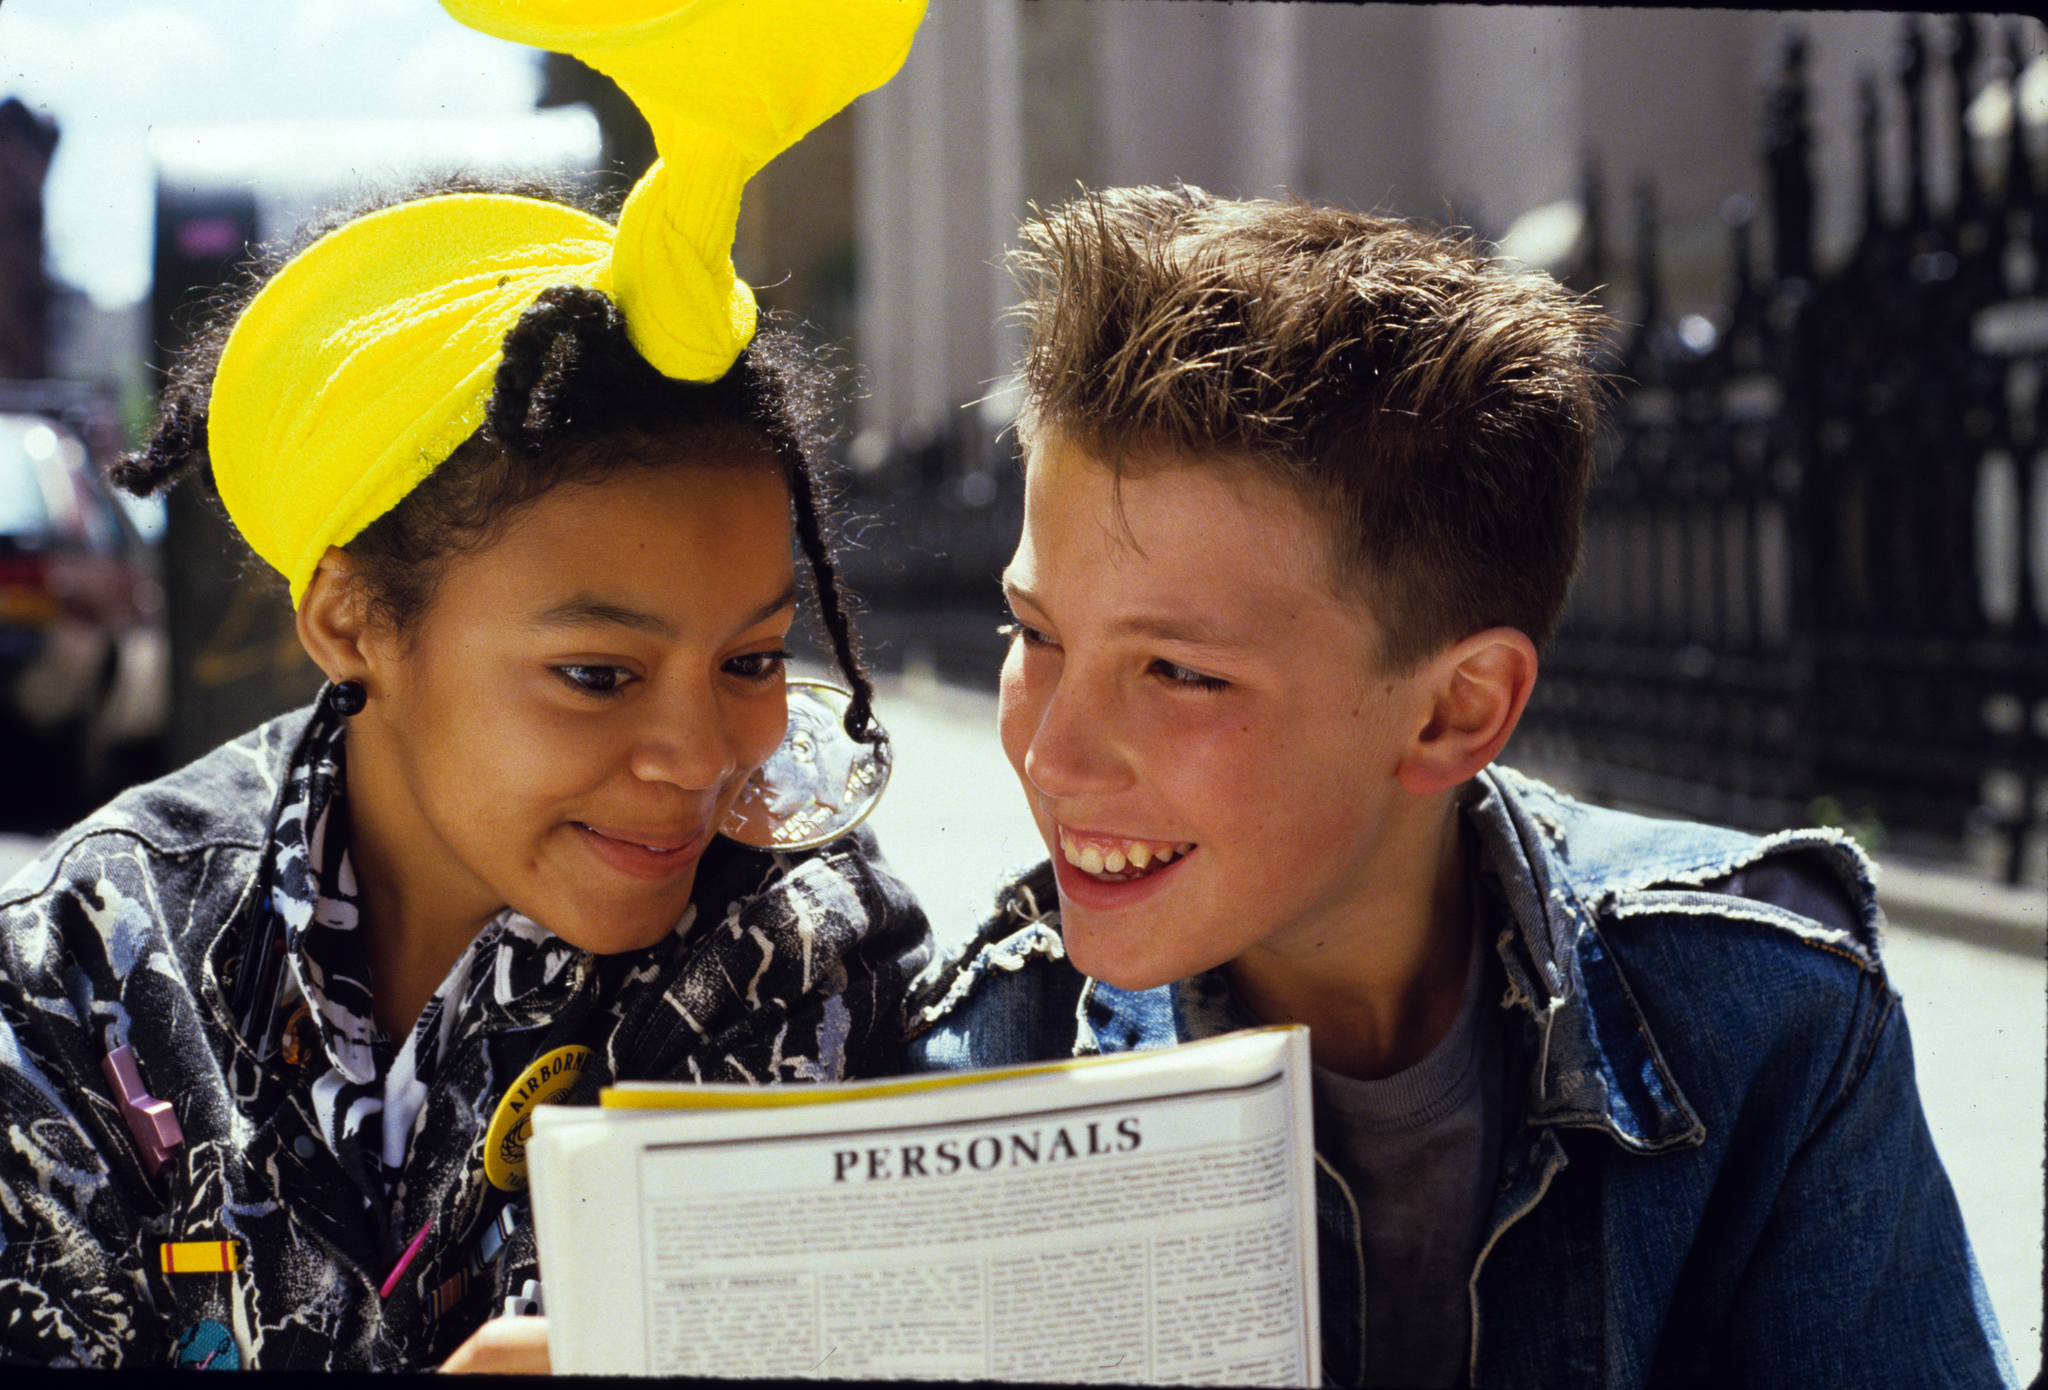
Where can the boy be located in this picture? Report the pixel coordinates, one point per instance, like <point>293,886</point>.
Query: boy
<point>1600,1100</point>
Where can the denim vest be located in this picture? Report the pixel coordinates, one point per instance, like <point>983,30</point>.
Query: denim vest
<point>1716,1171</point>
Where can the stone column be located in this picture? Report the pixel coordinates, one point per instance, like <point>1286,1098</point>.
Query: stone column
<point>938,169</point>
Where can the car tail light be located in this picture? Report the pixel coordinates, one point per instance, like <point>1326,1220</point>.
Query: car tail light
<point>25,595</point>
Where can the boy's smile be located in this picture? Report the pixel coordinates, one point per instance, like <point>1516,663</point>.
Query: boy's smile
<point>1197,719</point>
<point>1114,859</point>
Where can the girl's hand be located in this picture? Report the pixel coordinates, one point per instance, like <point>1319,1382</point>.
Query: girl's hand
<point>504,1346</point>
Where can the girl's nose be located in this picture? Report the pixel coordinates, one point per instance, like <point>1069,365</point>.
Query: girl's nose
<point>688,742</point>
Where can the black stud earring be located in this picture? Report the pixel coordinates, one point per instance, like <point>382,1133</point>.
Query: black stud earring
<point>348,697</point>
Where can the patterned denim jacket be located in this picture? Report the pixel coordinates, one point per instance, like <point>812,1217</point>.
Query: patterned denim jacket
<point>129,930</point>
<point>1716,1171</point>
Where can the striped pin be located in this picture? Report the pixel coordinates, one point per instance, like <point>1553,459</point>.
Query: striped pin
<point>202,1256</point>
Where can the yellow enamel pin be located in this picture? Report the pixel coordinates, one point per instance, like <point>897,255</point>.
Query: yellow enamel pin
<point>548,1079</point>
<point>201,1256</point>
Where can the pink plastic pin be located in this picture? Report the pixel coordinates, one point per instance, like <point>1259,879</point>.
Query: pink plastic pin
<point>391,1279</point>
<point>151,1121</point>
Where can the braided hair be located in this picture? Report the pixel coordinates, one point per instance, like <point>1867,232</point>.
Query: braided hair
<point>573,402</point>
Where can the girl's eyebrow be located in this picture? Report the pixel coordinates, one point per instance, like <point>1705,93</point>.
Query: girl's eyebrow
<point>585,610</point>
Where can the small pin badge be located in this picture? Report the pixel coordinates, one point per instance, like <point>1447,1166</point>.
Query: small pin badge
<point>151,1121</point>
<point>299,1043</point>
<point>498,1232</point>
<point>549,1079</point>
<point>206,1346</point>
<point>201,1256</point>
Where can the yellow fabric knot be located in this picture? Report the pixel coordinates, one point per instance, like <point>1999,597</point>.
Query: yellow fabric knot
<point>370,357</point>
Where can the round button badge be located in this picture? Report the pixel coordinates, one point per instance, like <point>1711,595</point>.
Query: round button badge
<point>819,784</point>
<point>549,1079</point>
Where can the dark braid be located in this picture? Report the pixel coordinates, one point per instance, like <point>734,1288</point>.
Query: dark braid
<point>177,443</point>
<point>790,403</point>
<point>562,312</point>
<point>860,715</point>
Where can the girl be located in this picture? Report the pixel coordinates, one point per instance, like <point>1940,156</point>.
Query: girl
<point>270,1027</point>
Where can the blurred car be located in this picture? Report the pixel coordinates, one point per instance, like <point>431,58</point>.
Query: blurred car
<point>84,657</point>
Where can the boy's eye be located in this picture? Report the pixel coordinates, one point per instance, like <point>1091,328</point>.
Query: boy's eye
<point>757,666</point>
<point>597,680</point>
<point>1030,636</point>
<point>1182,676</point>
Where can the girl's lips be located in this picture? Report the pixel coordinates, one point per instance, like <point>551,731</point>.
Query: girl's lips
<point>643,856</point>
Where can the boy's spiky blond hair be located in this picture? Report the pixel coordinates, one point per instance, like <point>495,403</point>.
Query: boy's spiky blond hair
<point>1437,407</point>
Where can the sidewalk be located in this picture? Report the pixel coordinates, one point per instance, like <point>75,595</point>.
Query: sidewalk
<point>1967,958</point>
<point>1943,901</point>
<point>17,850</point>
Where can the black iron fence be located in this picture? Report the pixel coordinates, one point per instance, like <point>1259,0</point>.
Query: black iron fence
<point>1816,571</point>
<point>932,525</point>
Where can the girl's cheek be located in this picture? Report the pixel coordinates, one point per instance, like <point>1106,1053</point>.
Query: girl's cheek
<point>767,718</point>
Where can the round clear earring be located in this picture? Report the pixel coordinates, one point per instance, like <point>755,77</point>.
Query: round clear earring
<point>820,783</point>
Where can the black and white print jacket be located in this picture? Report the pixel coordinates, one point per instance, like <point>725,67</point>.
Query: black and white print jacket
<point>178,923</point>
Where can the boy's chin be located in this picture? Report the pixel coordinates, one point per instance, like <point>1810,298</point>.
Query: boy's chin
<point>1100,958</point>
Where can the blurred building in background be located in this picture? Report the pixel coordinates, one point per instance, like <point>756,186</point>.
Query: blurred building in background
<point>1452,114</point>
<point>1816,575</point>
<point>1489,117</point>
<point>26,143</point>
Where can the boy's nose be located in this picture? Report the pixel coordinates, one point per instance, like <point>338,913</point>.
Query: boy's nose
<point>1074,750</point>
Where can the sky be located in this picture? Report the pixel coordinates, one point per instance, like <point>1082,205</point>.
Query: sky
<point>110,71</point>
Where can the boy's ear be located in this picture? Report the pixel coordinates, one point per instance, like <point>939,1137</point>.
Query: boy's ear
<point>332,620</point>
<point>1478,688</point>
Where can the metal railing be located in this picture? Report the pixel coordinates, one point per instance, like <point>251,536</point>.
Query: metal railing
<point>1816,569</point>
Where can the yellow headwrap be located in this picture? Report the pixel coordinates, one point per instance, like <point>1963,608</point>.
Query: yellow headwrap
<point>370,356</point>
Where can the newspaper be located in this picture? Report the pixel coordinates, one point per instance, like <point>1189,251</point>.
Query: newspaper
<point>1147,1218</point>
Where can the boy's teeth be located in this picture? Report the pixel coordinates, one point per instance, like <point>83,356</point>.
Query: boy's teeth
<point>1136,856</point>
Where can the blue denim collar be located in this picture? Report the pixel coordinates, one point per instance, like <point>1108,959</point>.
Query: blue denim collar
<point>1594,1062</point>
